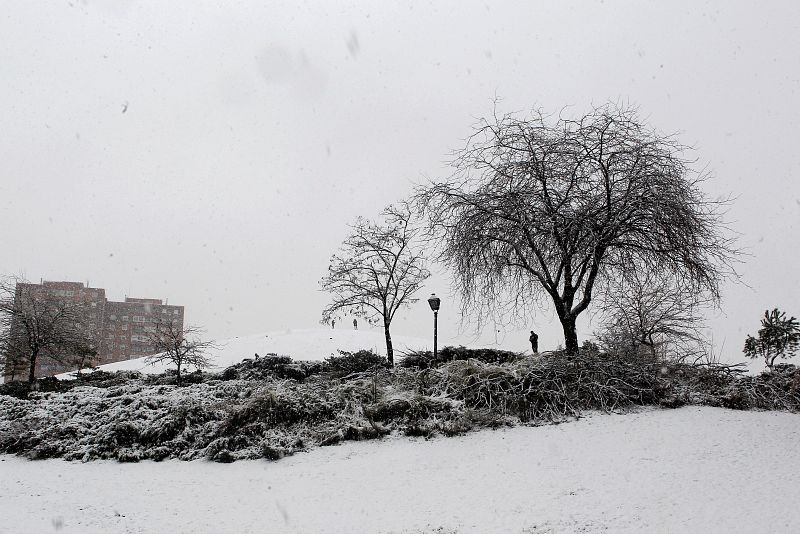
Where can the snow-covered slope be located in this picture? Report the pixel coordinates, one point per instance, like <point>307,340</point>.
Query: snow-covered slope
<point>312,344</point>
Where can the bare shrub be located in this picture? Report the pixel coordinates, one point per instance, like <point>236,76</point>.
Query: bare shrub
<point>647,316</point>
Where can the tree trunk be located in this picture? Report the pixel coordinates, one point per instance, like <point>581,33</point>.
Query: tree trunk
<point>652,344</point>
<point>32,370</point>
<point>570,335</point>
<point>179,374</point>
<point>389,349</point>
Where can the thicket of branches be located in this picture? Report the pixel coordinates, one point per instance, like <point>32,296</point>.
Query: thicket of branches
<point>542,210</point>
<point>651,317</point>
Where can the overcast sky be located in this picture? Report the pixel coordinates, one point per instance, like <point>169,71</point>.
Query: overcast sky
<point>213,153</point>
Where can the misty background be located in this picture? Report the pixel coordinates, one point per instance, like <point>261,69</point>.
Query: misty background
<point>213,153</point>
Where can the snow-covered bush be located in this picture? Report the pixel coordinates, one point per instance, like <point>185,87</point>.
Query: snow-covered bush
<point>425,359</point>
<point>548,387</point>
<point>16,389</point>
<point>271,366</point>
<point>353,362</point>
<point>128,417</point>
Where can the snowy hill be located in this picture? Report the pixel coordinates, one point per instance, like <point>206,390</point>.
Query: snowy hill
<point>310,344</point>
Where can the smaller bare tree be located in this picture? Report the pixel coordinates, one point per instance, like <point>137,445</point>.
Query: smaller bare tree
<point>376,271</point>
<point>35,325</point>
<point>647,315</point>
<point>85,356</point>
<point>181,346</point>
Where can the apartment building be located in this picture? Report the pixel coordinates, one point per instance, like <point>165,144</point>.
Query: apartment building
<point>128,325</point>
<point>117,330</point>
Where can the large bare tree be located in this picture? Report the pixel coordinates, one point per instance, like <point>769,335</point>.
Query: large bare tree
<point>36,324</point>
<point>182,346</point>
<point>376,271</point>
<point>540,209</point>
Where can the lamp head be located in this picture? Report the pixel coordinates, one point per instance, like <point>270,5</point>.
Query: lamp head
<point>434,302</point>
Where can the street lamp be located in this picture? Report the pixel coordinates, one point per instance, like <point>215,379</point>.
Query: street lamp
<point>434,302</point>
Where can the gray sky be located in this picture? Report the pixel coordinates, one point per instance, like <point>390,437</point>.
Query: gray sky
<point>214,152</point>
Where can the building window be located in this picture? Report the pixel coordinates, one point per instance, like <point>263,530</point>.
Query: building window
<point>138,319</point>
<point>124,317</point>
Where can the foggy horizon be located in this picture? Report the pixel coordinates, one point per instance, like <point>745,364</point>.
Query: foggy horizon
<point>214,155</point>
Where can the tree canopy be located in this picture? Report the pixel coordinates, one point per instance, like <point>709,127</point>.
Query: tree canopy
<point>540,208</point>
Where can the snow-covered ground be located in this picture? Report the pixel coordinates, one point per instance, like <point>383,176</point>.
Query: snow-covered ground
<point>310,344</point>
<point>687,470</point>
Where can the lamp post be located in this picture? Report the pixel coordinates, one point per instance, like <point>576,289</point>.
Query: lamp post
<point>434,302</point>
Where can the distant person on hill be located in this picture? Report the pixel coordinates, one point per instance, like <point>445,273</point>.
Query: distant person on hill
<point>355,324</point>
<point>534,342</point>
<point>333,324</point>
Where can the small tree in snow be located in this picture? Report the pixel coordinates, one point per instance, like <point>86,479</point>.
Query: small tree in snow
<point>777,337</point>
<point>85,356</point>
<point>181,346</point>
<point>376,271</point>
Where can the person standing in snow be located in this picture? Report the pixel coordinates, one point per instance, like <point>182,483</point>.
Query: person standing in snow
<point>534,342</point>
<point>355,324</point>
<point>333,324</point>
